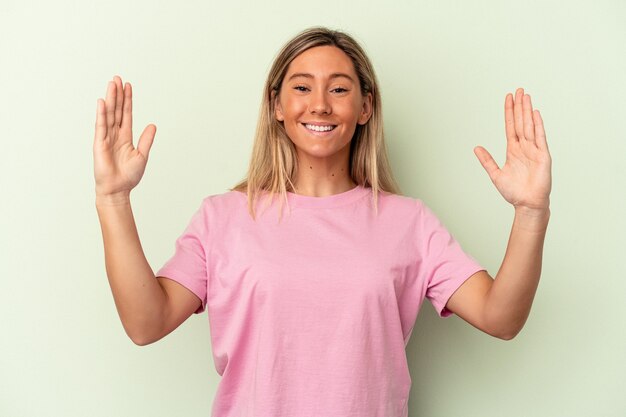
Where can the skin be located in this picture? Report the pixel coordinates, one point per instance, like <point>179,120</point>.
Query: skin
<point>151,308</point>
<point>311,94</point>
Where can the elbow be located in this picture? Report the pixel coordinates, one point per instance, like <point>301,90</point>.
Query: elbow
<point>506,336</point>
<point>506,333</point>
<point>141,341</point>
<point>504,330</point>
<point>142,330</point>
<point>144,338</point>
<point>140,338</point>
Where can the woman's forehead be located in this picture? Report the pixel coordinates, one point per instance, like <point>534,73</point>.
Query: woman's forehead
<point>321,62</point>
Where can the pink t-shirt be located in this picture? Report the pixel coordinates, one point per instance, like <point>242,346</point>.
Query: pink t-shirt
<point>310,316</point>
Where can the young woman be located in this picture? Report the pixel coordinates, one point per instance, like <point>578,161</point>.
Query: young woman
<point>310,312</point>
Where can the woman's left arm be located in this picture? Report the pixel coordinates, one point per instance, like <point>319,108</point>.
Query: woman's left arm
<point>501,306</point>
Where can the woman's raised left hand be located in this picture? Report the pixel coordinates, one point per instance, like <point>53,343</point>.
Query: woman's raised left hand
<point>525,180</point>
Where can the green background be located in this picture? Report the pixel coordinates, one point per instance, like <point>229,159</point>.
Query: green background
<point>197,69</point>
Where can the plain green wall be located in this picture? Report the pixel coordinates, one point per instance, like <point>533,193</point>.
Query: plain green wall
<point>197,69</point>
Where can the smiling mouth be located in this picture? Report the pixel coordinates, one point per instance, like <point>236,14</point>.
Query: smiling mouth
<point>316,128</point>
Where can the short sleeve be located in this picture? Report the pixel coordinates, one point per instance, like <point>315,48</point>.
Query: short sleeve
<point>445,266</point>
<point>188,265</point>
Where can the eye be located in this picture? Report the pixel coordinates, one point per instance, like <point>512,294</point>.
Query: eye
<point>339,90</point>
<point>300,88</point>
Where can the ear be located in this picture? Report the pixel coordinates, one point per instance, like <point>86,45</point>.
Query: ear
<point>366,111</point>
<point>278,110</point>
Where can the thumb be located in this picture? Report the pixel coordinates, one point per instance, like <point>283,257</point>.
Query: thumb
<point>146,139</point>
<point>487,162</point>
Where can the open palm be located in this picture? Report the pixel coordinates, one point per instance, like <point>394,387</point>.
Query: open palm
<point>525,180</point>
<point>118,165</point>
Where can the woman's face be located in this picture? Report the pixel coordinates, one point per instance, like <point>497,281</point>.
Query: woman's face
<point>320,103</point>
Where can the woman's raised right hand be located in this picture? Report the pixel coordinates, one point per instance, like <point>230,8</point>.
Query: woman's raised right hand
<point>118,165</point>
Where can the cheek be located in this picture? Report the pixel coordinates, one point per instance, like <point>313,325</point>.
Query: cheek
<point>352,109</point>
<point>292,106</point>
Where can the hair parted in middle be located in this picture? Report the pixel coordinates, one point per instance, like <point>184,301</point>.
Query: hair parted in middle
<point>274,164</point>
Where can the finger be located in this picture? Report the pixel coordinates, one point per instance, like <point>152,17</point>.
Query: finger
<point>487,161</point>
<point>509,121</point>
<point>529,127</point>
<point>110,105</point>
<point>517,111</point>
<point>540,133</point>
<point>127,114</point>
<point>101,119</point>
<point>119,100</point>
<point>146,139</point>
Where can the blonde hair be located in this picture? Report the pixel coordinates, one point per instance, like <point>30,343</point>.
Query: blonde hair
<point>273,164</point>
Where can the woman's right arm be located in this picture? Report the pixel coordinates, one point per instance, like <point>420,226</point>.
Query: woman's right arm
<point>149,307</point>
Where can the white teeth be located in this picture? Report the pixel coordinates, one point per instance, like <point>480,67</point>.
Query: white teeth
<point>319,128</point>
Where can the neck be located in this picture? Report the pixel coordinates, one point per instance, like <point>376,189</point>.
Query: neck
<point>322,177</point>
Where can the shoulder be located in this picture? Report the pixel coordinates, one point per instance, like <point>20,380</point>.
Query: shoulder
<point>400,203</point>
<point>225,209</point>
<point>412,212</point>
<point>215,205</point>
<point>228,199</point>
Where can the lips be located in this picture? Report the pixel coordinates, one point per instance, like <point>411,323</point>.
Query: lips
<point>319,127</point>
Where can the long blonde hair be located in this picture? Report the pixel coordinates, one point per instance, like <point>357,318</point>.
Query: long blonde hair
<point>273,164</point>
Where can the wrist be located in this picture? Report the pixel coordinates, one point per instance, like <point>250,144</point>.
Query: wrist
<point>532,219</point>
<point>114,199</point>
<point>533,211</point>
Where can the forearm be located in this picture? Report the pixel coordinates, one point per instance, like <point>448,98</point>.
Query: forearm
<point>138,296</point>
<point>511,296</point>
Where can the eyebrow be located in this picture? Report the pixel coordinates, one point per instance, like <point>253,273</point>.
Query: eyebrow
<point>333,75</point>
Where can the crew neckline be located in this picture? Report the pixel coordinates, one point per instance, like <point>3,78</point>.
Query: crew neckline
<point>329,201</point>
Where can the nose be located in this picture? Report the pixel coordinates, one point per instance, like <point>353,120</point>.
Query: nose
<point>319,103</point>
